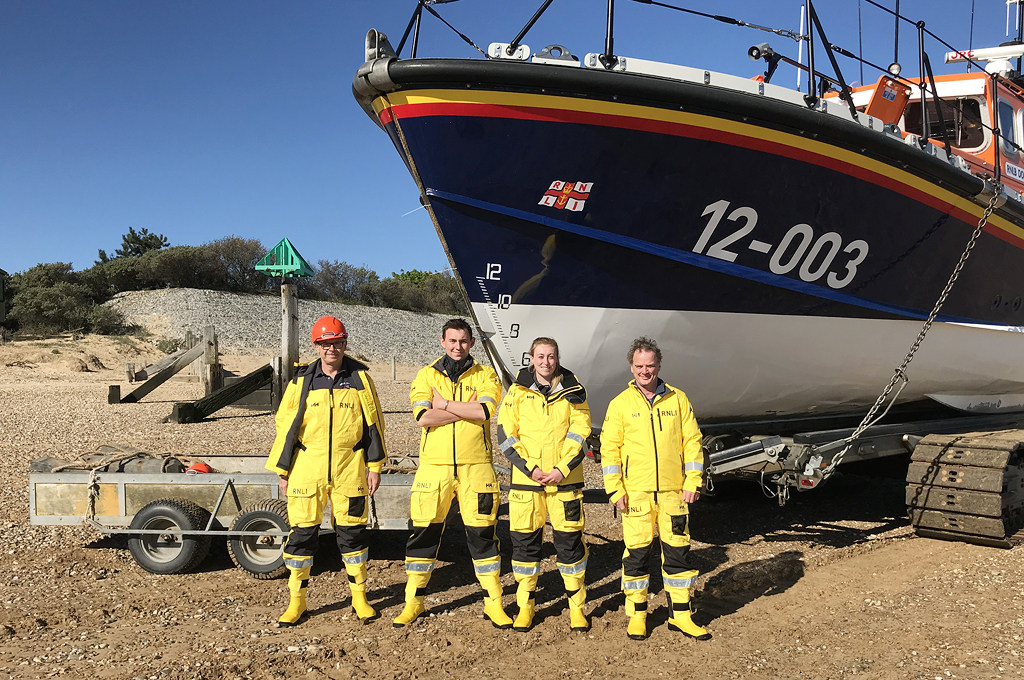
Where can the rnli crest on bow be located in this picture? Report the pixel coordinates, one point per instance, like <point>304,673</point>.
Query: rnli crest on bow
<point>566,195</point>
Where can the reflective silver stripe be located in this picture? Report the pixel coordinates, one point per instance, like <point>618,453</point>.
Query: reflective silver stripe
<point>488,399</point>
<point>572,436</point>
<point>526,570</point>
<point>636,585</point>
<point>679,582</point>
<point>611,470</point>
<point>571,569</point>
<point>487,568</point>
<point>298,562</point>
<point>419,566</point>
<point>699,467</point>
<point>508,444</point>
<point>356,559</point>
<point>424,404</point>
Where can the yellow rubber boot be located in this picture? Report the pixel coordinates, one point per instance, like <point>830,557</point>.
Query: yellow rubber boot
<point>577,593</point>
<point>355,566</point>
<point>636,610</point>
<point>487,572</point>
<point>298,581</point>
<point>525,598</point>
<point>682,621</point>
<point>418,574</point>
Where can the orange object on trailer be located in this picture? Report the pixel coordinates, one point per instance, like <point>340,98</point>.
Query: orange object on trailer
<point>888,100</point>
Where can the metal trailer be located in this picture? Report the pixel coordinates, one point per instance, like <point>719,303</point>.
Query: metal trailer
<point>965,479</point>
<point>170,518</point>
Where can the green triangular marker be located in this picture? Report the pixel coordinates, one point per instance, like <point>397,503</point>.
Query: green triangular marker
<point>284,260</point>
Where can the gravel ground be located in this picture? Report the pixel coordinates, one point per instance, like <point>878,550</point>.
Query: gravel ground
<point>253,322</point>
<point>834,585</point>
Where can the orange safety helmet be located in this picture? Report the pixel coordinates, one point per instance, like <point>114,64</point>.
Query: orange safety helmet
<point>328,327</point>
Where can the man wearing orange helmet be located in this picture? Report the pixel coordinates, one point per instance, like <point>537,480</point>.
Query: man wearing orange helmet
<point>329,444</point>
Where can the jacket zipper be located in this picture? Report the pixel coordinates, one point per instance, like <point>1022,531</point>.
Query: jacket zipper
<point>330,429</point>
<point>654,437</point>
<point>660,428</point>
<point>455,461</point>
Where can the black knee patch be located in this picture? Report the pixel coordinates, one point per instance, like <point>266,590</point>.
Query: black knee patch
<point>570,593</point>
<point>421,591</point>
<point>351,539</point>
<point>357,506</point>
<point>573,510</point>
<point>351,578</point>
<point>569,546</point>
<point>637,561</point>
<point>302,541</point>
<point>527,547</point>
<point>679,523</point>
<point>304,583</point>
<point>676,559</point>
<point>482,543</point>
<point>640,606</point>
<point>484,503</point>
<point>424,541</point>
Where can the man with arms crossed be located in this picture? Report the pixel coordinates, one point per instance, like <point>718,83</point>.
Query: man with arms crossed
<point>453,400</point>
<point>652,463</point>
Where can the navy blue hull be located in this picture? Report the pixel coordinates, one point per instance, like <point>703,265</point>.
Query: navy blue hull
<point>632,245</point>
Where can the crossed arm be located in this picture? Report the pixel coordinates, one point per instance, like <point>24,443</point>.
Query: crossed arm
<point>445,411</point>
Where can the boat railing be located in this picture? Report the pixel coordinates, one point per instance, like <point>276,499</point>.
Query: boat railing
<point>818,83</point>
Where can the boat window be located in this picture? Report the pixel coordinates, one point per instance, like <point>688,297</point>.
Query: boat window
<point>962,117</point>
<point>1007,129</point>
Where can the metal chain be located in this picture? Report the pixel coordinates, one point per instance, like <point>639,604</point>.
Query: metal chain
<point>900,373</point>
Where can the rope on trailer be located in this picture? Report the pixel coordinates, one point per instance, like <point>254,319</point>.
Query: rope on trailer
<point>900,374</point>
<point>94,469</point>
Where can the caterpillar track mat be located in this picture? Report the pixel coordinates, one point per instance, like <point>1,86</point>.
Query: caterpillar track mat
<point>969,488</point>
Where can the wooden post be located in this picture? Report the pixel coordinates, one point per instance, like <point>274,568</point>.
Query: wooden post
<point>190,342</point>
<point>394,369</point>
<point>212,371</point>
<point>159,379</point>
<point>277,385</point>
<point>289,332</point>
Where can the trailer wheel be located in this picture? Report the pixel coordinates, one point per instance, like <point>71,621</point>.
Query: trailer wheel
<point>261,556</point>
<point>168,553</point>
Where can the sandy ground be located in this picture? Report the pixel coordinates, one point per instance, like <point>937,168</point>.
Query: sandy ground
<point>832,586</point>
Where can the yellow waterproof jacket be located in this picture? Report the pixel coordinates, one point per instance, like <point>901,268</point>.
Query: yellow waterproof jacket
<point>649,446</point>
<point>464,441</point>
<point>329,430</point>
<point>544,431</point>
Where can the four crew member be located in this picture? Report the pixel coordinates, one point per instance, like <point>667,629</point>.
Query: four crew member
<point>453,399</point>
<point>542,424</point>
<point>653,463</point>
<point>329,444</point>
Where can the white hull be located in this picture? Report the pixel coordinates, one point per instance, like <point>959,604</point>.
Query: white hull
<point>745,366</point>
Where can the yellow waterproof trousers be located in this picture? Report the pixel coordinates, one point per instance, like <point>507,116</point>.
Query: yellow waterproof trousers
<point>528,511</point>
<point>433,490</point>
<point>669,514</point>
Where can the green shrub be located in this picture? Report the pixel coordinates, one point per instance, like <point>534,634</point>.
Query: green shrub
<point>169,345</point>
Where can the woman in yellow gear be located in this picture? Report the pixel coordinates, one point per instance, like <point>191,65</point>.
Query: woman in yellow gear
<point>329,444</point>
<point>652,461</point>
<point>543,423</point>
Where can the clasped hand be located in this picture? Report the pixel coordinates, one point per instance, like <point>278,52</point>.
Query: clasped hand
<point>546,478</point>
<point>439,399</point>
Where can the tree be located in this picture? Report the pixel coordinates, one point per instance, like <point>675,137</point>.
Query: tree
<point>52,297</point>
<point>136,243</point>
<point>235,258</point>
<point>337,280</point>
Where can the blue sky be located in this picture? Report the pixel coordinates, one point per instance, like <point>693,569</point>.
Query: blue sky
<point>200,120</point>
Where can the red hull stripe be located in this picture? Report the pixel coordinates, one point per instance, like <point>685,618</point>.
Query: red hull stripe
<point>682,130</point>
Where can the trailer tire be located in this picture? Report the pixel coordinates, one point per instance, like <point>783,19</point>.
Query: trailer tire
<point>165,554</point>
<point>261,557</point>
